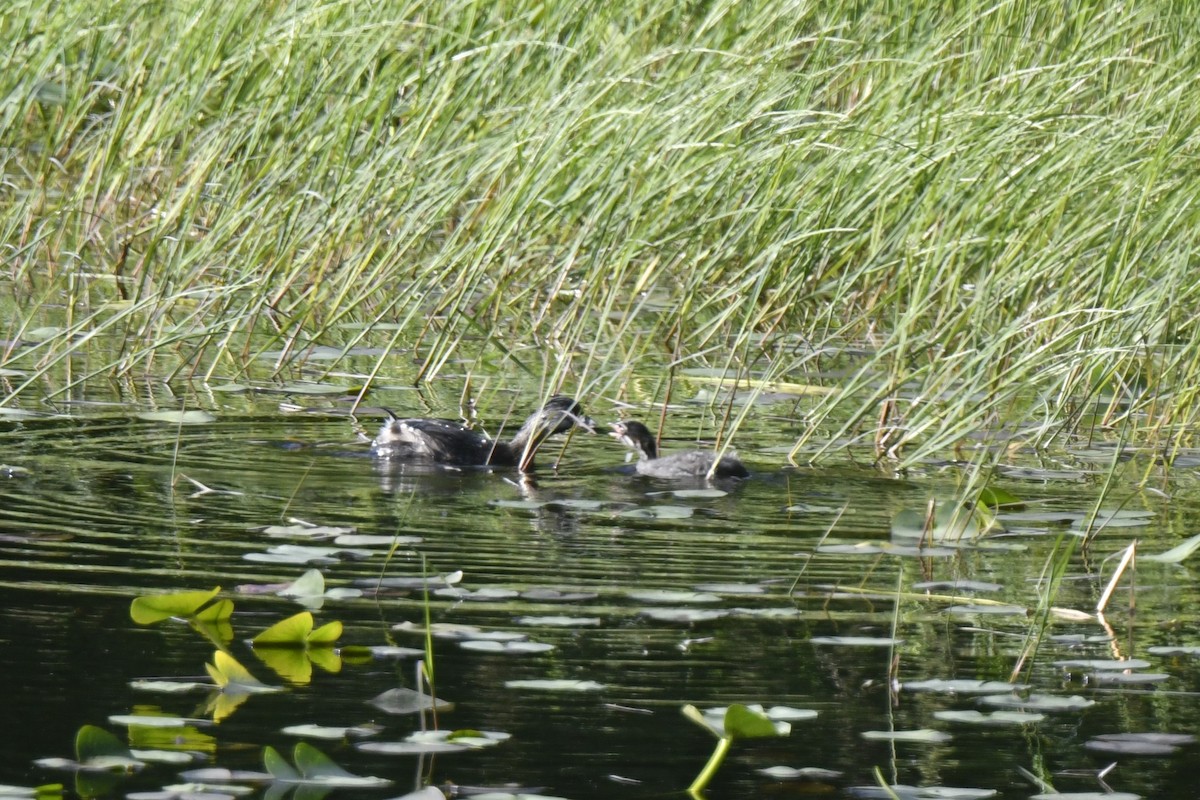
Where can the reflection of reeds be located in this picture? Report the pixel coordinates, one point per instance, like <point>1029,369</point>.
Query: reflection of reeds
<point>937,214</point>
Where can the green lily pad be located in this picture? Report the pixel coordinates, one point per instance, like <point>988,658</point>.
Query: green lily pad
<point>297,631</point>
<point>155,608</point>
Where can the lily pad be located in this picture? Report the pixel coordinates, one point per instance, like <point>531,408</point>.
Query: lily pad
<point>408,701</point>
<point>998,609</point>
<point>1102,664</point>
<point>511,648</point>
<point>558,622</point>
<point>192,417</point>
<point>333,732</point>
<point>799,773</point>
<point>1174,650</point>
<point>487,593</point>
<point>857,641</point>
<point>690,494</point>
<point>993,719</point>
<point>667,596</point>
<point>1127,678</point>
<point>919,736</point>
<point>1139,744</point>
<point>553,685</point>
<point>683,614</point>
<point>658,512</point>
<point>1038,702</point>
<point>556,596</point>
<point>950,522</point>
<point>958,686</point>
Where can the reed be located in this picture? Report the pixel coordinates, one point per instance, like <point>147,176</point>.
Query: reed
<point>982,214</point>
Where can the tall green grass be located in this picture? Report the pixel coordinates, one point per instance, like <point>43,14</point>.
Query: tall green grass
<point>984,212</point>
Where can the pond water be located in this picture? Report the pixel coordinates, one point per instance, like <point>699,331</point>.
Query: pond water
<point>660,600</point>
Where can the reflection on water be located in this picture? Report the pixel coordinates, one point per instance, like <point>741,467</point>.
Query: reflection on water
<point>106,510</point>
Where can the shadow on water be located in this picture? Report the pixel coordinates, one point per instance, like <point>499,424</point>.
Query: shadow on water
<point>662,594</point>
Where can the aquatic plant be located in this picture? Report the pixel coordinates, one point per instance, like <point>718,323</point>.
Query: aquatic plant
<point>967,222</point>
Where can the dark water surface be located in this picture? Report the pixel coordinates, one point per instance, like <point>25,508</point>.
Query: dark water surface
<point>99,512</point>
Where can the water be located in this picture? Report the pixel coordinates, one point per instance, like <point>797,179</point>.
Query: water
<point>102,510</point>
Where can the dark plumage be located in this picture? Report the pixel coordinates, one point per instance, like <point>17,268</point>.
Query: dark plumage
<point>688,464</point>
<point>442,441</point>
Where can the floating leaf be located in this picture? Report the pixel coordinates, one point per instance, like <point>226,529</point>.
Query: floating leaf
<point>920,736</point>
<point>950,522</point>
<point>192,417</point>
<point>1127,678</point>
<point>155,608</point>
<point>957,586</point>
<point>995,718</point>
<point>556,596</point>
<point>520,647</point>
<point>993,497</point>
<point>1102,663</point>
<point>658,512</point>
<point>690,494</point>
<point>332,732</point>
<point>168,687</point>
<point>552,685</point>
<point>857,641</point>
<point>297,631</point>
<point>1139,744</point>
<point>997,609</point>
<point>801,773</point>
<point>1174,650</point>
<point>1038,702</point>
<point>683,614</point>
<point>666,596</point>
<point>408,701</point>
<point>558,621</point>
<point>899,791</point>
<point>487,593</point>
<point>959,686</point>
<point>732,588</point>
<point>304,530</point>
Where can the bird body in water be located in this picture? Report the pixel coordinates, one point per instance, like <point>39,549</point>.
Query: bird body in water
<point>443,441</point>
<point>688,464</point>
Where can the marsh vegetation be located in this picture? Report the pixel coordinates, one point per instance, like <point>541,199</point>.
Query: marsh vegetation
<point>913,262</point>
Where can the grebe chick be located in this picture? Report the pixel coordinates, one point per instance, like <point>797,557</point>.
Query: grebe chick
<point>688,464</point>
